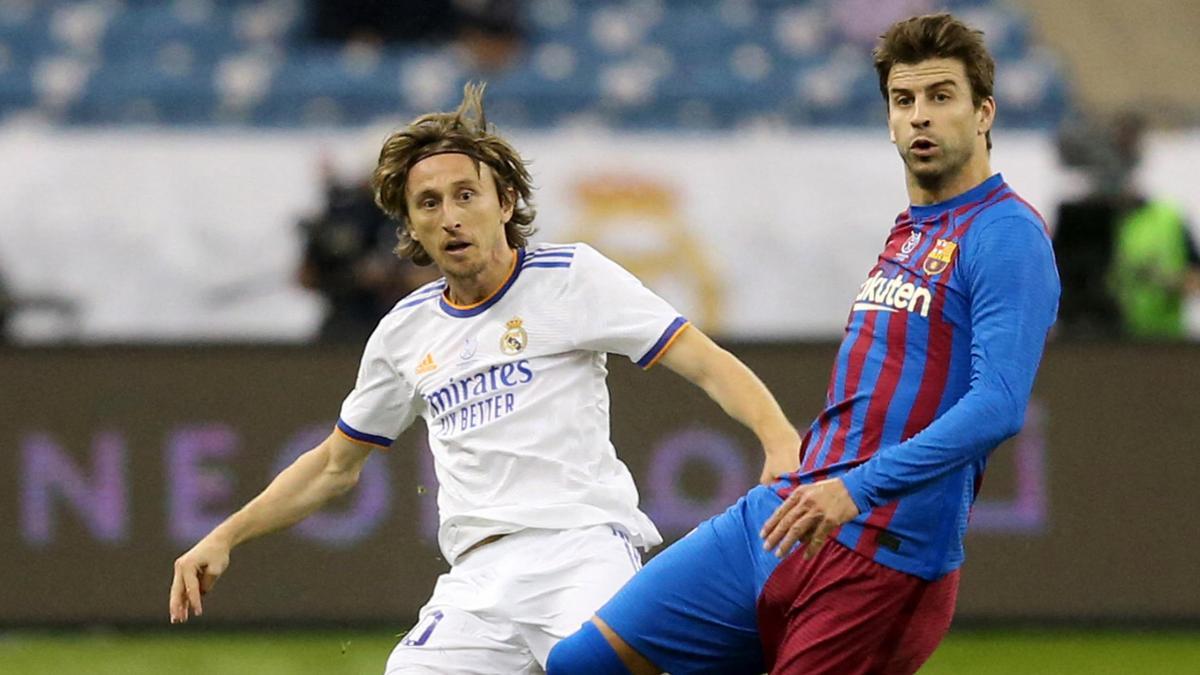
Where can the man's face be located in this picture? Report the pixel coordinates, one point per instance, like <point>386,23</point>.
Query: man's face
<point>934,123</point>
<point>455,213</point>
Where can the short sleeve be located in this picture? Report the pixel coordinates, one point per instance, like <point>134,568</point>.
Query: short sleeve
<point>617,313</point>
<point>382,403</point>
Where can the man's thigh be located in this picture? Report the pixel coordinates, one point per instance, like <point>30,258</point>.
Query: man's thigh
<point>843,614</point>
<point>451,640</point>
<point>692,609</point>
<point>463,629</point>
<point>567,577</point>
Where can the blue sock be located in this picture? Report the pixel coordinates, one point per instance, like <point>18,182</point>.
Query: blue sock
<point>586,652</point>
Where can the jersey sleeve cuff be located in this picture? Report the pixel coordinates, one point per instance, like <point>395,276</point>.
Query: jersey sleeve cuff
<point>362,437</point>
<point>853,480</point>
<point>664,342</point>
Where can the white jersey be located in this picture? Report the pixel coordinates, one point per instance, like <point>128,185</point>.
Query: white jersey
<point>513,392</point>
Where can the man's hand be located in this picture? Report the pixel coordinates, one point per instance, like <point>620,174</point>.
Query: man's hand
<point>195,574</point>
<point>780,462</point>
<point>809,514</point>
<point>326,471</point>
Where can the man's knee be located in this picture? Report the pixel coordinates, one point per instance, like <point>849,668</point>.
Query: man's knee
<point>586,652</point>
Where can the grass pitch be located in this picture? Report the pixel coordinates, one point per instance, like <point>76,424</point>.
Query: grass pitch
<point>333,652</point>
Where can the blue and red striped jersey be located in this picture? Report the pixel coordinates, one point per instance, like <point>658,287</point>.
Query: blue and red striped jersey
<point>934,371</point>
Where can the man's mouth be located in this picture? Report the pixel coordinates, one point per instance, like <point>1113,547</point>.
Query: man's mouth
<point>457,246</point>
<point>922,145</point>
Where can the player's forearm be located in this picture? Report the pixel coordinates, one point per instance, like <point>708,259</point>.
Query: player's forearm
<point>968,431</point>
<point>744,397</point>
<point>735,388</point>
<point>300,489</point>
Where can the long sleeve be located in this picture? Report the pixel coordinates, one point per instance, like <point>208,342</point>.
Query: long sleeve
<point>1014,290</point>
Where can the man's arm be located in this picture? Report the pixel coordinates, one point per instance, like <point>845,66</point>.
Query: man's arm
<point>326,471</point>
<point>1014,294</point>
<point>740,394</point>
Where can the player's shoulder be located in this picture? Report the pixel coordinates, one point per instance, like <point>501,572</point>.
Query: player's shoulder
<point>1007,234</point>
<point>582,256</point>
<point>1006,217</point>
<point>550,256</point>
<point>424,296</point>
<point>1012,208</point>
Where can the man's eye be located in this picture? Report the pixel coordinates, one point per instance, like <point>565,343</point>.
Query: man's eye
<point>466,195</point>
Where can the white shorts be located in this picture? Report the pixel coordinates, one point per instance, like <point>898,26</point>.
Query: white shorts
<point>503,606</point>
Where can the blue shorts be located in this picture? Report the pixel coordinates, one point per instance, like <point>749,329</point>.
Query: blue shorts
<point>692,609</point>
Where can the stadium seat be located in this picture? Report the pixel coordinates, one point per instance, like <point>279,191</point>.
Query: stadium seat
<point>695,64</point>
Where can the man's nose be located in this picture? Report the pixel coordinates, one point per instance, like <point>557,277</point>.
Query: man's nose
<point>918,118</point>
<point>451,216</point>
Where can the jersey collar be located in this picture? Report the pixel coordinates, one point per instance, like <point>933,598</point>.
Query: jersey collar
<point>975,194</point>
<point>463,311</point>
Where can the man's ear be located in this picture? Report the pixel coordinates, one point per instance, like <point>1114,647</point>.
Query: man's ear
<point>987,114</point>
<point>508,204</point>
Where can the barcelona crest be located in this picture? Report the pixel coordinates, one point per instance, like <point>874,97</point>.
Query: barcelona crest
<point>515,338</point>
<point>939,258</point>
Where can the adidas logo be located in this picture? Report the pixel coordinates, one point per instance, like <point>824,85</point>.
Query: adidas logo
<point>427,364</point>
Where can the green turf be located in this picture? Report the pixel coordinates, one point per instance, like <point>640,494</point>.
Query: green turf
<point>1067,653</point>
<point>205,653</point>
<point>332,653</point>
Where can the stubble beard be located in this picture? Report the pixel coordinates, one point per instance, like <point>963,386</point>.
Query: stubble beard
<point>466,271</point>
<point>931,176</point>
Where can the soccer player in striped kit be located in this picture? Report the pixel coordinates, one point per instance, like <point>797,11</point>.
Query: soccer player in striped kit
<point>935,370</point>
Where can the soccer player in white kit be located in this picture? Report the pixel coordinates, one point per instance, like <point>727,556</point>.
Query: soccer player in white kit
<point>504,359</point>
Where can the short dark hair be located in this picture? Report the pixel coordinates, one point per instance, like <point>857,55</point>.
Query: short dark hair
<point>937,36</point>
<point>464,131</point>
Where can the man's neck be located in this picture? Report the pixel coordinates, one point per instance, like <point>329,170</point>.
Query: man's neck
<point>475,288</point>
<point>971,175</point>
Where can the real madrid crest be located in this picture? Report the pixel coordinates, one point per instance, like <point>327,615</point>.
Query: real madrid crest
<point>939,258</point>
<point>515,338</point>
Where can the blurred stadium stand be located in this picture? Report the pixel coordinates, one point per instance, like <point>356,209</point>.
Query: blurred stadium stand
<point>693,64</point>
<point>1124,56</point>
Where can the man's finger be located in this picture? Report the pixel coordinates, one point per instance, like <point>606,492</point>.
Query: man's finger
<point>207,581</point>
<point>817,540</point>
<point>176,601</point>
<point>191,583</point>
<point>800,531</point>
<point>785,514</point>
<point>780,510</point>
<point>788,514</point>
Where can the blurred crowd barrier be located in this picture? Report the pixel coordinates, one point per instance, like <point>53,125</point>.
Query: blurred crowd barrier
<point>137,236</point>
<point>115,460</point>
